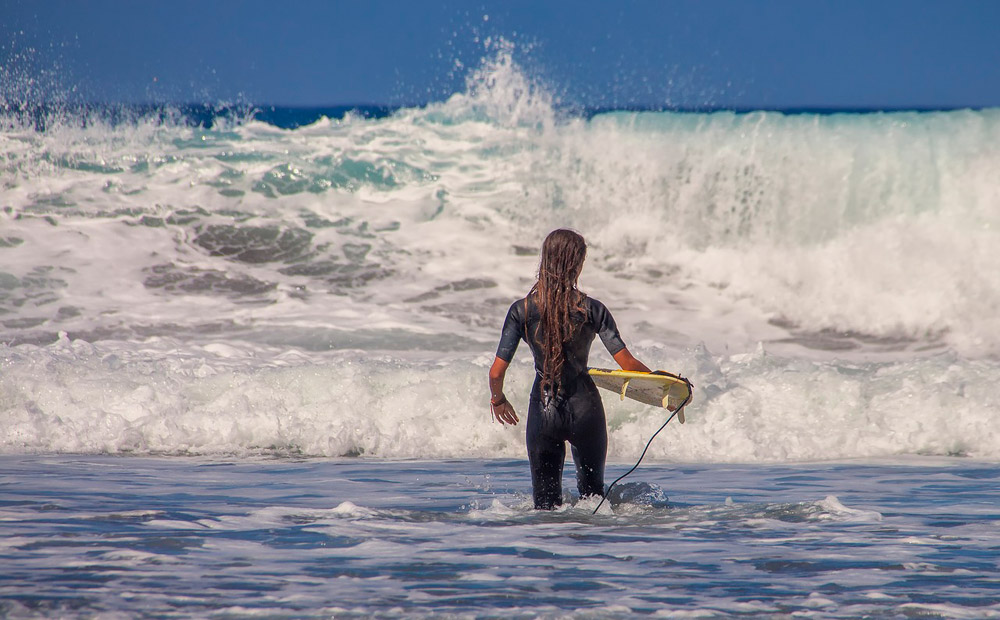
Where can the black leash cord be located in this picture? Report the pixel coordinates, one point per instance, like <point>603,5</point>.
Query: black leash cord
<point>636,466</point>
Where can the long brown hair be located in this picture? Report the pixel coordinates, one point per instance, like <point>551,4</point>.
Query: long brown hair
<point>556,296</point>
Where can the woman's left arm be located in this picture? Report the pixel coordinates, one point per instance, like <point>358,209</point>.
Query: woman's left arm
<point>627,361</point>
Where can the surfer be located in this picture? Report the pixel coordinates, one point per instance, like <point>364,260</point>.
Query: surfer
<point>559,324</point>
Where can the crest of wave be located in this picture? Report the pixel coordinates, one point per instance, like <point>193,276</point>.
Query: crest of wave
<point>500,91</point>
<point>47,125</point>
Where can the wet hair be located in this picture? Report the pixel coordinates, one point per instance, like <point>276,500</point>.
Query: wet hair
<point>557,299</point>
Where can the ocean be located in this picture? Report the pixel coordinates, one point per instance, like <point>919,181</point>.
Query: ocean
<point>243,357</point>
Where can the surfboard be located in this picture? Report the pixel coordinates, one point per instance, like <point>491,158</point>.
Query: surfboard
<point>651,388</point>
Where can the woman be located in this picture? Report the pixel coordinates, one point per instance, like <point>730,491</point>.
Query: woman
<point>559,324</point>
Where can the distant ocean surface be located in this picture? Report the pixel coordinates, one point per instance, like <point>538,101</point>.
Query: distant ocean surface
<point>243,359</point>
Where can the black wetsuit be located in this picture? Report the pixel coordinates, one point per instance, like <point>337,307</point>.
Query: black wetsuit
<point>575,414</point>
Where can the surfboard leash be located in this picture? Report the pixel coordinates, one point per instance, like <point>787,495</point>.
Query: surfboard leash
<point>648,443</point>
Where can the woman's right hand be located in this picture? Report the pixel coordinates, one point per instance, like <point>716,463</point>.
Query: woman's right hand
<point>504,413</point>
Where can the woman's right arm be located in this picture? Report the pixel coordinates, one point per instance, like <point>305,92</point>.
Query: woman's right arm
<point>503,411</point>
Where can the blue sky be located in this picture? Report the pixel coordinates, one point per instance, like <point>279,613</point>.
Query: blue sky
<point>881,54</point>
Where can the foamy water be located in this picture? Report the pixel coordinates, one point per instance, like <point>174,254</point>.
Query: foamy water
<point>170,398</point>
<point>829,283</point>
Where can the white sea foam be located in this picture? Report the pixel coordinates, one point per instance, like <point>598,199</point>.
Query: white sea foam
<point>338,288</point>
<point>164,398</point>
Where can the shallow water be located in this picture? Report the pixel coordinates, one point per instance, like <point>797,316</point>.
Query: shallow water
<point>88,536</point>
